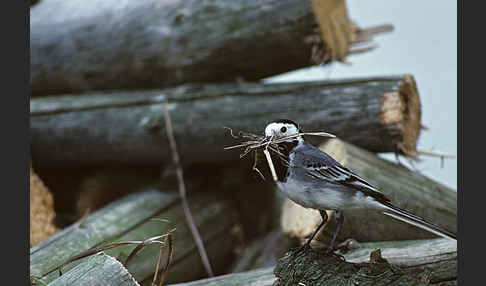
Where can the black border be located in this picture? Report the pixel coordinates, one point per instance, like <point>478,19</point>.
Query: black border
<point>460,183</point>
<point>16,138</point>
<point>14,118</point>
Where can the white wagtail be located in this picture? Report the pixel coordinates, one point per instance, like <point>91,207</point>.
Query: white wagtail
<point>313,179</point>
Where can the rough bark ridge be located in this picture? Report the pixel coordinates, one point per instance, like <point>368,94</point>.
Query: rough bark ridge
<point>311,268</point>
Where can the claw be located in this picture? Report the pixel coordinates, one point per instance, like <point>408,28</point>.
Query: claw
<point>330,252</point>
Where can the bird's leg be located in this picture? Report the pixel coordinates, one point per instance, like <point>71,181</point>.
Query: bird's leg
<point>340,220</point>
<point>307,243</point>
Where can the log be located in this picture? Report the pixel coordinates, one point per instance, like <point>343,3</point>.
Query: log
<point>263,251</point>
<point>259,277</point>
<point>406,189</point>
<point>137,217</point>
<point>417,261</point>
<point>152,43</point>
<point>310,268</point>
<point>127,128</point>
<point>99,269</point>
<point>406,252</point>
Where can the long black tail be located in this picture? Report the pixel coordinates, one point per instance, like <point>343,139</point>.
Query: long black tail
<point>403,215</point>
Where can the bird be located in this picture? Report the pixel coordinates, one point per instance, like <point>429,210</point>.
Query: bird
<point>313,179</point>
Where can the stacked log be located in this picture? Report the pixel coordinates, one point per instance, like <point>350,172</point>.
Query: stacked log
<point>152,44</point>
<point>137,217</point>
<point>100,80</point>
<point>420,262</point>
<point>127,128</point>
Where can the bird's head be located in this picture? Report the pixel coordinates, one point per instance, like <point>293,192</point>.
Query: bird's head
<point>282,128</point>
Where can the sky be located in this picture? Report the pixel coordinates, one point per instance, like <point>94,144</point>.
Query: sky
<point>424,44</point>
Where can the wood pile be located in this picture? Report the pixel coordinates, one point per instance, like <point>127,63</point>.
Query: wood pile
<point>106,74</point>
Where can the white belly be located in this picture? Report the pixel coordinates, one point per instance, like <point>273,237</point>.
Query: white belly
<point>308,197</point>
<point>326,197</point>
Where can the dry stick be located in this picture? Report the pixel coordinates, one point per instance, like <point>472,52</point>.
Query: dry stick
<point>270,164</point>
<point>269,159</point>
<point>169,238</point>
<point>96,250</point>
<point>161,252</point>
<point>182,191</point>
<point>169,258</point>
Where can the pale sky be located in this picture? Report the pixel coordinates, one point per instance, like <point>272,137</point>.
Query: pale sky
<point>424,44</point>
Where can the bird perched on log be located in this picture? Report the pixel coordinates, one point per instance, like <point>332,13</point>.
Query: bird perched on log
<point>313,179</point>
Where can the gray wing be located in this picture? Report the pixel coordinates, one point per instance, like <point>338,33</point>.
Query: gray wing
<point>319,165</point>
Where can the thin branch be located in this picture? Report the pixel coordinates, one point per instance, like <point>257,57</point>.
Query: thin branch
<point>182,191</point>
<point>435,154</point>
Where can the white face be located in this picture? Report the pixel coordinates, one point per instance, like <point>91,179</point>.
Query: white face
<point>280,129</point>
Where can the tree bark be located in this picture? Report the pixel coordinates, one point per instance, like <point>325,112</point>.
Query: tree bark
<point>425,261</point>
<point>309,268</point>
<point>135,218</point>
<point>151,43</point>
<point>406,189</point>
<point>127,128</point>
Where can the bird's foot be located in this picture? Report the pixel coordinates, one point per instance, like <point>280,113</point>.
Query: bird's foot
<point>301,249</point>
<point>330,252</point>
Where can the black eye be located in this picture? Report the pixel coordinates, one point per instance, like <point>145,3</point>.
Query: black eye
<point>283,129</point>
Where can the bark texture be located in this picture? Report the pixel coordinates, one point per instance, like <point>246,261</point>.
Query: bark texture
<point>418,262</point>
<point>127,128</point>
<point>80,45</point>
<point>312,268</point>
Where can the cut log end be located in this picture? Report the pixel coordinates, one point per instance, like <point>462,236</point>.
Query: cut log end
<point>42,212</point>
<point>337,34</point>
<point>401,110</point>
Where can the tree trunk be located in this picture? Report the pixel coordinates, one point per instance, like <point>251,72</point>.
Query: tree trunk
<point>127,128</point>
<point>98,45</point>
<point>406,189</point>
<point>137,217</point>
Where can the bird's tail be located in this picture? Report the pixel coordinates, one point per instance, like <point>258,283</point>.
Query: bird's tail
<point>403,215</point>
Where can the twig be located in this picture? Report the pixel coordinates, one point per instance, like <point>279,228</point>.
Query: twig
<point>96,250</point>
<point>182,191</point>
<point>169,258</point>
<point>170,239</point>
<point>435,154</point>
<point>270,164</point>
<point>252,144</point>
